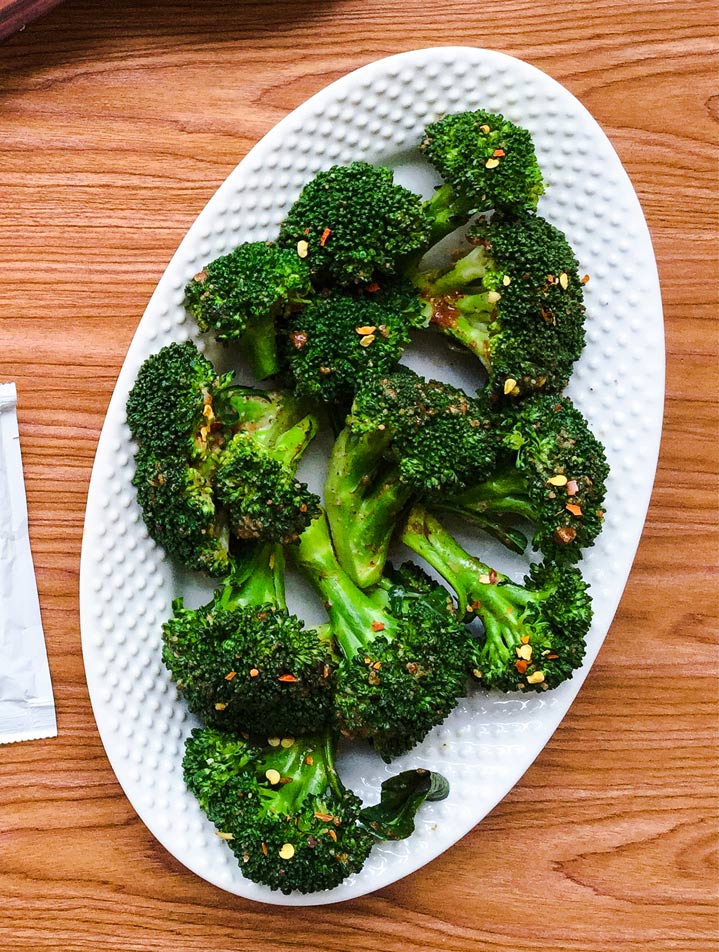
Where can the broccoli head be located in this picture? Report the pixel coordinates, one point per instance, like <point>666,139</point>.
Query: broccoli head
<point>405,652</point>
<point>405,437</point>
<point>242,662</point>
<point>259,490</point>
<point>343,336</point>
<point>515,301</point>
<point>240,297</point>
<point>179,510</point>
<point>353,221</point>
<point>551,472</point>
<point>534,633</point>
<point>282,809</point>
<point>171,399</point>
<point>485,162</point>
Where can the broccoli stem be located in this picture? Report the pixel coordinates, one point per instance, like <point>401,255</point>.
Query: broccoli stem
<point>447,213</point>
<point>256,580</point>
<point>356,616</point>
<point>362,519</point>
<point>260,343</point>
<point>467,270</point>
<point>314,777</point>
<point>503,493</point>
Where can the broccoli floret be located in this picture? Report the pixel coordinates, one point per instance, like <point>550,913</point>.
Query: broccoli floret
<point>178,507</point>
<point>166,406</point>
<point>551,472</point>
<point>343,336</point>
<point>180,406</point>
<point>216,457</point>
<point>534,633</point>
<point>255,482</point>
<point>405,653</point>
<point>485,162</point>
<point>515,301</point>
<point>283,810</point>
<point>405,437</point>
<point>240,297</point>
<point>242,662</point>
<point>353,221</point>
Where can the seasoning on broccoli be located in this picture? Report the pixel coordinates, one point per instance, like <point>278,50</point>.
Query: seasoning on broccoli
<point>405,437</point>
<point>178,507</point>
<point>342,337</point>
<point>280,806</point>
<point>352,223</point>
<point>551,473</point>
<point>283,810</point>
<point>242,295</point>
<point>485,162</point>
<point>242,662</point>
<point>216,459</point>
<point>534,633</point>
<point>516,301</point>
<point>406,654</point>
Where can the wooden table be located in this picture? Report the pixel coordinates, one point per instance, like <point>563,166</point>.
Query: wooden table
<point>117,122</point>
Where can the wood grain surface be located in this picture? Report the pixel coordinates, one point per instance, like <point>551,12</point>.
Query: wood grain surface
<point>117,123</point>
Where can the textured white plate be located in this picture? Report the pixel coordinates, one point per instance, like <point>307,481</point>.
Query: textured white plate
<point>126,585</point>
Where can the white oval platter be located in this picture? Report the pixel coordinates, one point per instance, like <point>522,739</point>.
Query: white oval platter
<point>377,114</point>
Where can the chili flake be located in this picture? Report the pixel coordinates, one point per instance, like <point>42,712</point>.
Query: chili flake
<point>574,509</point>
<point>324,236</point>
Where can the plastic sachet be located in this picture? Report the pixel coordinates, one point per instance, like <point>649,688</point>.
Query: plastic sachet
<point>27,708</point>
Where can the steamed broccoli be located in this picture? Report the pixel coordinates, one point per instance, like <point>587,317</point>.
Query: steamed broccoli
<point>551,472</point>
<point>406,655</point>
<point>171,400</point>
<point>405,437</point>
<point>353,221</point>
<point>485,162</point>
<point>515,301</point>
<point>242,662</point>
<point>215,457</point>
<point>241,295</point>
<point>343,336</point>
<point>179,510</point>
<point>255,482</point>
<point>283,810</point>
<point>534,633</point>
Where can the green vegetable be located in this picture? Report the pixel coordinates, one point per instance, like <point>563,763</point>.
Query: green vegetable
<point>551,473</point>
<point>242,295</point>
<point>401,796</point>
<point>405,437</point>
<point>242,662</point>
<point>353,223</point>
<point>405,653</point>
<point>486,162</point>
<point>516,301</point>
<point>534,633</point>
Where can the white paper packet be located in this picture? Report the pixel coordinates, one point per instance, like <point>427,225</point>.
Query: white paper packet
<point>27,708</point>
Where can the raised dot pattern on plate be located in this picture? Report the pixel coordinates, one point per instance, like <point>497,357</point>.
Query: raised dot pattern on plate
<point>127,584</point>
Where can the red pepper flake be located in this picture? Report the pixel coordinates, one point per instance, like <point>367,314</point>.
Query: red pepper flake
<point>574,509</point>
<point>299,339</point>
<point>564,535</point>
<point>373,287</point>
<point>377,626</point>
<point>324,817</point>
<point>585,279</point>
<point>324,236</point>
<point>572,487</point>
<point>552,657</point>
<point>265,851</point>
<point>287,678</point>
<point>498,153</point>
<point>230,675</point>
<point>521,666</point>
<point>492,577</point>
<point>254,672</point>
